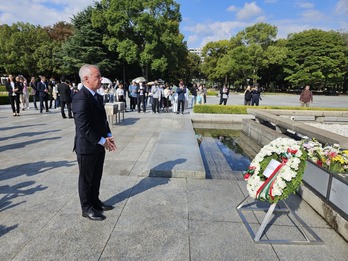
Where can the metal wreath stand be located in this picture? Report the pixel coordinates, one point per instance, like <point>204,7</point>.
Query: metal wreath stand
<point>300,224</point>
<point>270,172</point>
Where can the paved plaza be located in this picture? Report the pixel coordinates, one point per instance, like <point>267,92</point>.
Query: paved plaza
<point>155,218</point>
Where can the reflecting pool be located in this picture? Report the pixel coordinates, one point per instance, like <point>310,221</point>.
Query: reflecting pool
<point>222,155</point>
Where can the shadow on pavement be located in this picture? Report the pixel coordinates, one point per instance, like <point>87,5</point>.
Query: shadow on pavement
<point>19,145</point>
<point>148,182</point>
<point>18,127</point>
<point>33,168</point>
<point>28,134</point>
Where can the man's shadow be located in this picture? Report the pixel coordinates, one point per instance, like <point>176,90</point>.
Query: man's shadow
<point>154,179</point>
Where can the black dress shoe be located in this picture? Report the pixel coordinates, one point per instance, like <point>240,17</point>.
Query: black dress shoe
<point>93,214</point>
<point>103,207</point>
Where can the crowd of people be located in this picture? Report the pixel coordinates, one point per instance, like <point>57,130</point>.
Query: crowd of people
<point>46,94</point>
<point>160,96</point>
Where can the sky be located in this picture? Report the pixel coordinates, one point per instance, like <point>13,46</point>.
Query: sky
<point>203,20</point>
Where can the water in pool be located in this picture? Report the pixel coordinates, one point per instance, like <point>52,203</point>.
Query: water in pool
<point>222,156</point>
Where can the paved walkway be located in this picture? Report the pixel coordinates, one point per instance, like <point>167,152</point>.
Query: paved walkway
<point>155,218</point>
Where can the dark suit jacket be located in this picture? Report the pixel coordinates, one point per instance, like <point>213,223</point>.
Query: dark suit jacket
<point>90,122</point>
<point>222,91</point>
<point>9,88</point>
<point>64,92</point>
<point>17,85</point>
<point>40,87</point>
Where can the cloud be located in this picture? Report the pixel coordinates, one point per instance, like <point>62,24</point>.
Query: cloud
<point>270,1</point>
<point>40,12</point>
<point>248,11</point>
<point>342,7</point>
<point>288,26</point>
<point>232,8</point>
<point>203,33</point>
<point>305,5</point>
<point>312,16</point>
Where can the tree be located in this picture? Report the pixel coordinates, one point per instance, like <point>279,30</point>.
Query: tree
<point>243,57</point>
<point>191,68</point>
<point>60,31</point>
<point>259,41</point>
<point>213,53</point>
<point>262,34</point>
<point>143,32</point>
<point>345,81</point>
<point>85,46</point>
<point>316,57</point>
<point>272,73</point>
<point>24,49</point>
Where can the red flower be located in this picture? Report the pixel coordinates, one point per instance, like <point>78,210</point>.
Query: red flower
<point>293,152</point>
<point>332,154</point>
<point>319,163</point>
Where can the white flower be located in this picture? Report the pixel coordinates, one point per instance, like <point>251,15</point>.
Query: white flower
<point>277,191</point>
<point>280,182</point>
<point>287,172</point>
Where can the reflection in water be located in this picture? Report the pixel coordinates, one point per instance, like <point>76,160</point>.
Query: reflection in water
<point>233,153</point>
<point>227,142</point>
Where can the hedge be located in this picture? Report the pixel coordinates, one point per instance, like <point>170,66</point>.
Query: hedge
<point>5,100</point>
<point>241,109</point>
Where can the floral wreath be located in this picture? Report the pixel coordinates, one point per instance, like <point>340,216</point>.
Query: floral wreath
<point>286,175</point>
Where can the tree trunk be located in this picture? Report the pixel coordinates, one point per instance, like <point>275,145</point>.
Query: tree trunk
<point>124,73</point>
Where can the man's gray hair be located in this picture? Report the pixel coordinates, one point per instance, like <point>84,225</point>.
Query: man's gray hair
<point>85,70</point>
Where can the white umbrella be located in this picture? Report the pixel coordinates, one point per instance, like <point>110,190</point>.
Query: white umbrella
<point>139,79</point>
<point>106,81</point>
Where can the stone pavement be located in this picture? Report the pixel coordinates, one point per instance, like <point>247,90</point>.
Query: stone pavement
<point>155,218</point>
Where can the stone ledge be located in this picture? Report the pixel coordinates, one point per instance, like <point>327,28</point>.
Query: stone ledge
<point>283,124</point>
<point>335,220</point>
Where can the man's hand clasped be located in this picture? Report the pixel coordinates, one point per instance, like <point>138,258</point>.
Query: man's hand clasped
<point>110,144</point>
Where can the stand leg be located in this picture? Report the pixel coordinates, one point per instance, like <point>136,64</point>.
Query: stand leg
<point>265,222</point>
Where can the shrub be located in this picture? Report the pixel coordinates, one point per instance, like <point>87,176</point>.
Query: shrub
<point>212,93</point>
<point>241,109</point>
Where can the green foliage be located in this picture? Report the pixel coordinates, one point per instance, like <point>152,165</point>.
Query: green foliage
<point>191,68</point>
<point>212,92</point>
<point>26,49</point>
<point>312,57</point>
<point>219,109</point>
<point>145,33</point>
<point>214,53</point>
<point>293,185</point>
<point>85,46</point>
<point>241,109</point>
<point>4,99</point>
<point>316,57</point>
<point>244,57</point>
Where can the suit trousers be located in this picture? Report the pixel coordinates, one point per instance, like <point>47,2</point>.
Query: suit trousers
<point>141,100</point>
<point>91,170</point>
<point>155,105</point>
<point>14,100</point>
<point>181,105</point>
<point>42,106</point>
<point>62,106</point>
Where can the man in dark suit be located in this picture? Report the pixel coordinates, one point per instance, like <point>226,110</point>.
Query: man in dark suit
<point>42,88</point>
<point>93,137</point>
<point>65,97</point>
